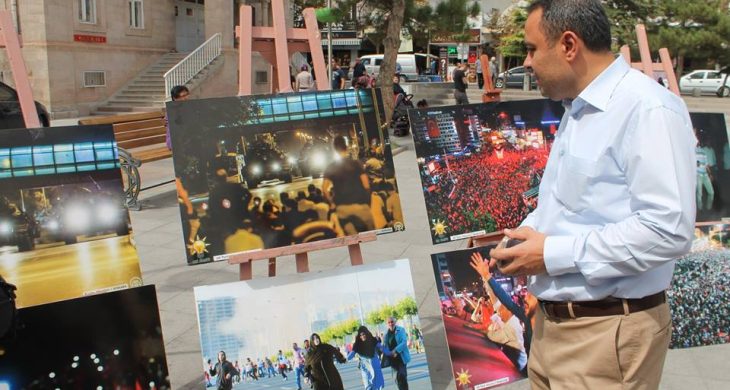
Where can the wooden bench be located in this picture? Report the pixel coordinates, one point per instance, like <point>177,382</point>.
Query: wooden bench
<point>140,138</point>
<point>142,135</point>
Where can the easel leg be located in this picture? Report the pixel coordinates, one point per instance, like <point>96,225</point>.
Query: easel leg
<point>355,254</point>
<point>245,270</point>
<point>272,267</point>
<point>302,262</point>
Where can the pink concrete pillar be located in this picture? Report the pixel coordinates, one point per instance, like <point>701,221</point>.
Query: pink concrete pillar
<point>20,73</point>
<point>245,42</point>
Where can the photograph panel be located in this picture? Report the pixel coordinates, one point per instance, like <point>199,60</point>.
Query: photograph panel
<point>699,296</point>
<point>713,166</point>
<point>481,164</point>
<point>295,331</point>
<point>488,318</point>
<point>63,217</point>
<point>261,172</point>
<point>106,341</point>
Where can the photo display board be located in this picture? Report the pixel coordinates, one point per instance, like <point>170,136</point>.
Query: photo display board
<point>106,341</point>
<point>481,164</point>
<point>268,171</point>
<point>488,319</point>
<point>256,324</point>
<point>713,166</point>
<point>699,296</point>
<point>64,226</point>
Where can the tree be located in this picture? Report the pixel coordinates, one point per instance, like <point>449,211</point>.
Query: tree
<point>697,29</point>
<point>511,35</point>
<point>624,15</point>
<point>407,307</point>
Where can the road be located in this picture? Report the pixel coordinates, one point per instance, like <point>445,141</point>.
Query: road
<point>299,184</point>
<point>57,272</point>
<point>418,377</point>
<point>471,351</point>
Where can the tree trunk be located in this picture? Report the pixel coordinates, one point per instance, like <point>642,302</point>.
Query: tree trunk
<point>392,44</point>
<point>680,66</point>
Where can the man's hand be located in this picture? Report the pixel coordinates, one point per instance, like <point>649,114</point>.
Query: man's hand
<point>481,266</point>
<point>523,259</point>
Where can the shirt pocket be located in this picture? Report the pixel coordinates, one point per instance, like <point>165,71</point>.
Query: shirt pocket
<point>573,184</point>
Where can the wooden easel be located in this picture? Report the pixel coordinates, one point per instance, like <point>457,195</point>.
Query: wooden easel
<point>285,42</point>
<point>276,44</point>
<point>490,94</point>
<point>10,40</point>
<point>647,65</point>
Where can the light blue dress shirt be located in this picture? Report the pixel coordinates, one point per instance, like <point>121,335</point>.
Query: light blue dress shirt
<point>617,200</point>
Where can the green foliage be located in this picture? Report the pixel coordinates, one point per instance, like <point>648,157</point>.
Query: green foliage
<point>512,37</point>
<point>407,307</point>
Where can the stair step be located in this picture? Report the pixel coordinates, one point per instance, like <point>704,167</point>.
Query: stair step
<point>127,103</point>
<point>151,98</point>
<point>107,109</point>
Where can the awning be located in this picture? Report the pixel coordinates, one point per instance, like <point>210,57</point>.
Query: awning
<point>343,41</point>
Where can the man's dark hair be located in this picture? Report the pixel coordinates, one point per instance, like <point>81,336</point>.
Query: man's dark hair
<point>339,144</point>
<point>177,90</point>
<point>586,18</point>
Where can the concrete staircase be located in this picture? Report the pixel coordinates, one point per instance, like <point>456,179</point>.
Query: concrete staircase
<point>144,93</point>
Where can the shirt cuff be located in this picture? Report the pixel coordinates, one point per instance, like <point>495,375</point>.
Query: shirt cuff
<point>558,255</point>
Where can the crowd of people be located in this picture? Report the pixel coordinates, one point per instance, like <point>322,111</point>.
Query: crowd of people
<point>313,364</point>
<point>699,299</point>
<point>503,178</point>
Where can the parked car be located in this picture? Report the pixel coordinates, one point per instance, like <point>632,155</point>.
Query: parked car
<point>412,65</point>
<point>16,227</point>
<point>513,78</point>
<point>11,117</point>
<point>707,81</point>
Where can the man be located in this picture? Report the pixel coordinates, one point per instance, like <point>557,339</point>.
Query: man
<point>177,93</point>
<point>347,188</point>
<point>506,330</point>
<point>298,363</point>
<point>616,208</point>
<point>338,76</point>
<point>480,75</point>
<point>460,84</point>
<point>224,372</point>
<point>396,340</point>
<point>358,70</point>
<point>493,69</point>
<point>283,364</point>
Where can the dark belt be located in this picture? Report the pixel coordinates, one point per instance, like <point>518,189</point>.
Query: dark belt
<point>605,307</point>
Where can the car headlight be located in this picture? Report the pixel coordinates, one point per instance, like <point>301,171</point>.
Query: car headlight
<point>107,213</point>
<point>275,166</point>
<point>319,160</point>
<point>256,169</point>
<point>52,225</point>
<point>77,217</point>
<point>291,160</point>
<point>6,228</point>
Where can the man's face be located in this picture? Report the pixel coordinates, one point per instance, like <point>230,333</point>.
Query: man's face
<point>391,324</point>
<point>548,66</point>
<point>294,346</point>
<point>221,356</point>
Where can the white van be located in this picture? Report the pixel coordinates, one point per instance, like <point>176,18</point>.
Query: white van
<point>412,65</point>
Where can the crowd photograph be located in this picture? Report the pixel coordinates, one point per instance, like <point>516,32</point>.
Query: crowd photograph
<point>63,216</point>
<point>488,319</point>
<point>336,329</point>
<point>504,147</point>
<point>105,341</point>
<point>699,296</point>
<point>287,173</point>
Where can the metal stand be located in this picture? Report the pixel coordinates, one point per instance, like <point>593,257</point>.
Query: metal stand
<point>646,65</point>
<point>10,40</point>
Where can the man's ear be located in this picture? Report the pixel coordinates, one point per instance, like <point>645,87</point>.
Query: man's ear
<point>569,43</point>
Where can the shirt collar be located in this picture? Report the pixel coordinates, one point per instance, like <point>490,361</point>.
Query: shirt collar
<point>599,91</point>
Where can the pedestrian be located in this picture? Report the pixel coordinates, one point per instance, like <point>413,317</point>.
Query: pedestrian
<point>396,343</point>
<point>368,349</point>
<point>320,367</point>
<point>338,76</point>
<point>304,80</point>
<point>358,71</point>
<point>298,363</point>
<point>617,208</point>
<point>493,70</point>
<point>177,93</point>
<point>460,84</point>
<point>480,75</point>
<point>224,372</point>
<point>283,362</point>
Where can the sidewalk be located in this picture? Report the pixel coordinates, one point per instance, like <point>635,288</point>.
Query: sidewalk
<point>158,236</point>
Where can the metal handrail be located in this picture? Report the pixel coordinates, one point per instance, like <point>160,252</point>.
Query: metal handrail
<point>193,63</point>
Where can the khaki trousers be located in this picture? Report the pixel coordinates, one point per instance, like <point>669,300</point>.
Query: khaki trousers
<point>601,353</point>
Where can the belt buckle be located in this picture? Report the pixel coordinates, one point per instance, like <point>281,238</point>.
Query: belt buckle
<point>550,314</point>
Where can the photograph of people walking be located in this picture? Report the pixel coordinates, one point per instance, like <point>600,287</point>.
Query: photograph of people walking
<point>346,328</point>
<point>261,172</point>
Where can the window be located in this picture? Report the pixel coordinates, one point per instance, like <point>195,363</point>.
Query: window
<point>262,77</point>
<point>136,14</point>
<point>87,11</point>
<point>7,94</point>
<point>713,75</point>
<point>697,76</point>
<point>94,78</point>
